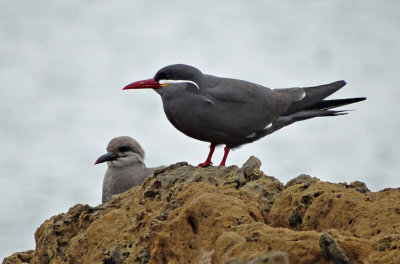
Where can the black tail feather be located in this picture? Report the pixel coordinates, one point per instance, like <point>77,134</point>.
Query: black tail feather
<point>307,114</point>
<point>328,104</point>
<point>313,95</point>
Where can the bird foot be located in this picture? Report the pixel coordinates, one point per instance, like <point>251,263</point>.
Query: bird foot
<point>205,164</point>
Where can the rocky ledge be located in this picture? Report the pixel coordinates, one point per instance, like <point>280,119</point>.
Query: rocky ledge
<point>186,214</point>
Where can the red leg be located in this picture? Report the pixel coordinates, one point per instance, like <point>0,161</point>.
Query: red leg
<point>226,152</point>
<point>208,160</point>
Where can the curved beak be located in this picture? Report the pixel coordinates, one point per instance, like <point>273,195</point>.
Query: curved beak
<point>145,84</point>
<point>109,156</point>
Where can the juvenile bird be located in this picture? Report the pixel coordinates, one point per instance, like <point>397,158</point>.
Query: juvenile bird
<point>125,166</point>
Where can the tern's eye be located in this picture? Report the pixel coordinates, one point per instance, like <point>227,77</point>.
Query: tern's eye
<point>124,149</point>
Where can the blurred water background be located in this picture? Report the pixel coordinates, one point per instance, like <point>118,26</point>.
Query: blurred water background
<point>63,64</point>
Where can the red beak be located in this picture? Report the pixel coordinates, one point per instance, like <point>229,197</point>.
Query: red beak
<point>145,84</point>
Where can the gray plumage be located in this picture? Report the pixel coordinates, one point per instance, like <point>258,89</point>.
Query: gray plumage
<point>126,168</point>
<point>235,112</point>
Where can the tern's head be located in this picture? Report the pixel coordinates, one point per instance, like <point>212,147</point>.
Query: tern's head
<point>122,151</point>
<point>176,73</point>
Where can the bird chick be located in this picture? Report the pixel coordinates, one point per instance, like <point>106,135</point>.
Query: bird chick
<point>126,168</point>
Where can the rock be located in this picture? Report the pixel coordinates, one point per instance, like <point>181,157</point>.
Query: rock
<point>302,178</point>
<point>331,250</point>
<point>20,257</point>
<point>273,257</point>
<point>357,185</point>
<point>186,214</point>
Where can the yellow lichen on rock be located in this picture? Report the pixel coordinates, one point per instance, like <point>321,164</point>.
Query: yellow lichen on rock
<point>186,214</point>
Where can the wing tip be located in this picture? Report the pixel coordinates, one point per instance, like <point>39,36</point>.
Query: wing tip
<point>341,83</point>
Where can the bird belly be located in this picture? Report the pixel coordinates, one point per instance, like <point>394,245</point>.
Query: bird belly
<point>217,122</point>
<point>195,127</point>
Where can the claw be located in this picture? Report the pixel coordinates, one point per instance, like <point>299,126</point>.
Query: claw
<point>208,160</point>
<point>205,164</point>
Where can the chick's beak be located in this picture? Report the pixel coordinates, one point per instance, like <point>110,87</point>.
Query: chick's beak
<point>109,156</point>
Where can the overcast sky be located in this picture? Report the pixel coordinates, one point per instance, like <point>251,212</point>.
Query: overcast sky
<point>63,65</point>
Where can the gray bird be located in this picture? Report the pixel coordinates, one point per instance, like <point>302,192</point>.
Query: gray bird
<point>125,166</point>
<point>235,112</point>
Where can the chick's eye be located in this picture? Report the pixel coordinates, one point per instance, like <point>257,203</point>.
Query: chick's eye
<point>124,149</point>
